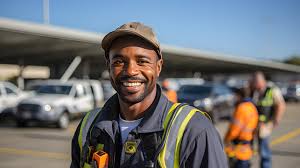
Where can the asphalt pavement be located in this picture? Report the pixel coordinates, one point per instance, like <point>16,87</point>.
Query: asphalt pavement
<point>48,147</point>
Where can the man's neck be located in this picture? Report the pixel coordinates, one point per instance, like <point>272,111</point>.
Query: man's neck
<point>136,111</point>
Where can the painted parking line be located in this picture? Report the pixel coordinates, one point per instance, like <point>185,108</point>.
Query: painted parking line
<point>72,129</point>
<point>282,138</point>
<point>285,137</point>
<point>52,155</point>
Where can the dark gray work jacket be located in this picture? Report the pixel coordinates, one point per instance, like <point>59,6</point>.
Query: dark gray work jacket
<point>201,145</point>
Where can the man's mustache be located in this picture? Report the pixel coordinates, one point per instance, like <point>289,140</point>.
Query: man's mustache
<point>126,78</point>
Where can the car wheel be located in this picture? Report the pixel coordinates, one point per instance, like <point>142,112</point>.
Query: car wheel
<point>21,123</point>
<point>63,121</point>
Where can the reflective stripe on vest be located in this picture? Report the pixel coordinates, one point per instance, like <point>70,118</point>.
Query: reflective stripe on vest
<point>85,126</point>
<point>169,155</point>
<point>264,106</point>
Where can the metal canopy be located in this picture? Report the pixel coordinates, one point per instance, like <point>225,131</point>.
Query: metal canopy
<point>38,44</point>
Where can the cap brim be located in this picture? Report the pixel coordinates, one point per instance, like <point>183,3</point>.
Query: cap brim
<point>110,37</point>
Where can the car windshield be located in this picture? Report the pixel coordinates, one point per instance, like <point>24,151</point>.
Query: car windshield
<point>292,88</point>
<point>54,89</point>
<point>198,90</point>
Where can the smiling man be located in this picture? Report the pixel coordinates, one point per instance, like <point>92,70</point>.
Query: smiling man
<point>139,126</point>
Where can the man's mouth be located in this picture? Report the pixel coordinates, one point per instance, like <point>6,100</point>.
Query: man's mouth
<point>131,84</point>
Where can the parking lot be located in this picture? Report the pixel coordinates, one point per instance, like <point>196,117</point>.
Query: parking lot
<point>41,146</point>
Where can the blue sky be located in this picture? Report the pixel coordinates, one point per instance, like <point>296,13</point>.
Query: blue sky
<point>268,29</point>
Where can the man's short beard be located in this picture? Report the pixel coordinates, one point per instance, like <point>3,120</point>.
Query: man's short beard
<point>136,100</point>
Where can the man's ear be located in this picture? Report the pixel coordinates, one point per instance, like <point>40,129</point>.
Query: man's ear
<point>159,66</point>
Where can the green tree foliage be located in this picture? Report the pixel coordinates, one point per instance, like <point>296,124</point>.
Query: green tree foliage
<point>293,60</point>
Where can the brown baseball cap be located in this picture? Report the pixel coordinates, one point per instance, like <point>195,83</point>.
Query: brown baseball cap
<point>135,29</point>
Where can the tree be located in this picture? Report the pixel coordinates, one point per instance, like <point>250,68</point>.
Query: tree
<point>293,60</point>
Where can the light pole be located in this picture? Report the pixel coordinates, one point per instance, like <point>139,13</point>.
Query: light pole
<point>46,12</point>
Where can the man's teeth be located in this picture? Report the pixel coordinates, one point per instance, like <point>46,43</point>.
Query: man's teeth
<point>130,84</point>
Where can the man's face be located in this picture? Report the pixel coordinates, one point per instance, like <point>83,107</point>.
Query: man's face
<point>259,82</point>
<point>134,68</point>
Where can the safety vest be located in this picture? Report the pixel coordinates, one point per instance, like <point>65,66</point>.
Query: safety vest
<point>244,123</point>
<point>174,125</point>
<point>245,120</point>
<point>265,106</point>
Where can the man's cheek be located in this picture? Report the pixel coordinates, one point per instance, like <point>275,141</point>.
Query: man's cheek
<point>152,75</point>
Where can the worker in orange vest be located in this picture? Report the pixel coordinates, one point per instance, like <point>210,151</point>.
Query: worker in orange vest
<point>170,93</point>
<point>238,140</point>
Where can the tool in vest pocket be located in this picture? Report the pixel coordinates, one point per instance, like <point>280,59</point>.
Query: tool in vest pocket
<point>100,159</point>
<point>130,147</point>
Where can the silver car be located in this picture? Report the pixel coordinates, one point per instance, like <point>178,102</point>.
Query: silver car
<point>293,92</point>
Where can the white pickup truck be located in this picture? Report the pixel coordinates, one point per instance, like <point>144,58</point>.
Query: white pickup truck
<point>56,101</point>
<point>10,95</point>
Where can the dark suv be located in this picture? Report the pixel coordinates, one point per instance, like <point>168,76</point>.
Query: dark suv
<point>216,99</point>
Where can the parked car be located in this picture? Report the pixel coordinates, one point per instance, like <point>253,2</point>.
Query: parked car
<point>108,90</point>
<point>56,102</point>
<point>10,95</point>
<point>216,99</point>
<point>293,92</point>
<point>176,83</point>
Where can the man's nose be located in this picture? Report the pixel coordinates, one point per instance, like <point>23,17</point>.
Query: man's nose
<point>131,69</point>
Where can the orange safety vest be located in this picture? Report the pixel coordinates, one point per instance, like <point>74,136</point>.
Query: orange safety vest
<point>242,129</point>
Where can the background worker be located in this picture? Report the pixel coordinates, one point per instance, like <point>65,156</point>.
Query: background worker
<point>238,139</point>
<point>271,106</point>
<point>169,92</point>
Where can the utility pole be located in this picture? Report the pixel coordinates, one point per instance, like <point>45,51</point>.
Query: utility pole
<point>46,15</point>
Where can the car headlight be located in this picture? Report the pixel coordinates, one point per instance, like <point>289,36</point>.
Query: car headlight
<point>197,103</point>
<point>47,107</point>
<point>206,104</point>
<point>298,92</point>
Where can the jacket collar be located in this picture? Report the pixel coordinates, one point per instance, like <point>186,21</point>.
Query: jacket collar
<point>155,114</point>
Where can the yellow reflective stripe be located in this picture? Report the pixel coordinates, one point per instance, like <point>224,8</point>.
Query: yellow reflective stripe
<point>262,118</point>
<point>80,132</point>
<point>238,123</point>
<point>162,154</point>
<point>180,135</point>
<point>247,130</point>
<point>269,93</point>
<point>205,114</point>
<point>170,114</point>
<point>268,99</point>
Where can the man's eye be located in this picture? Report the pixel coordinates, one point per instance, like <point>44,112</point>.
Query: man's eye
<point>143,61</point>
<point>117,62</point>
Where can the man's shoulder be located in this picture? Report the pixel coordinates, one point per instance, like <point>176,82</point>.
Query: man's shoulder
<point>199,122</point>
<point>245,105</point>
<point>200,128</point>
